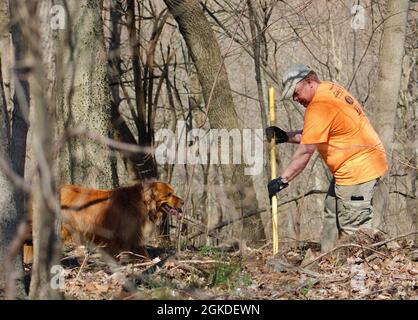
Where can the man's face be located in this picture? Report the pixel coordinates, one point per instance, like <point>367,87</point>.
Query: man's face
<point>304,92</point>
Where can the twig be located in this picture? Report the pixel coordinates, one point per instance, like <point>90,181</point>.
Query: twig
<point>393,286</point>
<point>381,243</point>
<point>264,246</point>
<point>132,254</point>
<point>122,146</point>
<point>201,261</point>
<point>82,265</point>
<point>146,264</point>
<point>333,280</point>
<point>310,282</point>
<point>340,247</point>
<point>13,177</point>
<point>303,196</point>
<point>225,223</point>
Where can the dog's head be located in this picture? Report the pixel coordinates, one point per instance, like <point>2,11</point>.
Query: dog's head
<point>162,195</point>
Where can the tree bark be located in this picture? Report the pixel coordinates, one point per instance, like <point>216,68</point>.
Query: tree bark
<point>145,163</point>
<point>408,116</point>
<point>84,97</point>
<point>45,203</point>
<point>21,95</point>
<point>386,93</point>
<point>206,55</point>
<point>256,46</point>
<point>122,131</point>
<point>9,217</point>
<point>5,49</point>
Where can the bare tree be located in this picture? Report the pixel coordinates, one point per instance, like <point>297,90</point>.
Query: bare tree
<point>206,55</point>
<point>9,217</point>
<point>20,112</point>
<point>386,96</point>
<point>44,201</point>
<point>257,42</point>
<point>83,95</point>
<point>386,93</point>
<point>5,48</point>
<point>122,131</point>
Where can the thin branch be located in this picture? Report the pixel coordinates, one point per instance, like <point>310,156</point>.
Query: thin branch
<point>121,146</point>
<point>13,177</point>
<point>340,247</point>
<point>381,243</point>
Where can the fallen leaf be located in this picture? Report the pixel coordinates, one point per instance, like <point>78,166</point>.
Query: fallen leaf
<point>102,288</point>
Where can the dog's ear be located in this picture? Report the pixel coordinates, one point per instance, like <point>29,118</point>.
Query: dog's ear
<point>159,189</point>
<point>148,192</point>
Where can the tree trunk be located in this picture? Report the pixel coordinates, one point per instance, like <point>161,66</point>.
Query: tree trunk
<point>145,163</point>
<point>5,49</point>
<point>207,57</point>
<point>121,130</point>
<point>20,100</point>
<point>9,216</point>
<point>45,203</point>
<point>408,102</point>
<point>386,95</point>
<point>83,96</point>
<point>256,46</point>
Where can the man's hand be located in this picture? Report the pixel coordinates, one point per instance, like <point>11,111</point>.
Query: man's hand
<point>279,135</point>
<point>276,185</point>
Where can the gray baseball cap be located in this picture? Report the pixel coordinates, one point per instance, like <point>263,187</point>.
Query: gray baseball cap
<point>291,77</point>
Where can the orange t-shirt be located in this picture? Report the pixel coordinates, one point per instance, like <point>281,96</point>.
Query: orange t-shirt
<point>335,121</point>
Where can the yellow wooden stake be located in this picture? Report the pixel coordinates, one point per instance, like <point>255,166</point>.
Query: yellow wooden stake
<point>272,147</point>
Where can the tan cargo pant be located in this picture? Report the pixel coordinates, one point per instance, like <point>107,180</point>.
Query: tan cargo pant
<point>347,209</point>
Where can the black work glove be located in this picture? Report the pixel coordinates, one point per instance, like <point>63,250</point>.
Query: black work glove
<point>279,134</point>
<point>276,185</point>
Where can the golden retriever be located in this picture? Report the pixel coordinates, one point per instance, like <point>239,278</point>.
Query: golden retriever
<point>118,220</point>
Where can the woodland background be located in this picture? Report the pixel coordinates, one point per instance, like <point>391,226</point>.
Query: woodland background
<point>81,104</point>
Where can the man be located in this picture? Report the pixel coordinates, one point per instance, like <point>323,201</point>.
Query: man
<point>336,126</point>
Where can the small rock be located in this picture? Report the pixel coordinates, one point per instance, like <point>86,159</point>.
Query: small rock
<point>277,265</point>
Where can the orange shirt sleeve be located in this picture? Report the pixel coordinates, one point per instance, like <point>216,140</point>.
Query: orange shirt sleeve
<point>318,120</point>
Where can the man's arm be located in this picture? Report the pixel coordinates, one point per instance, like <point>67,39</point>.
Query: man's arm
<point>299,161</point>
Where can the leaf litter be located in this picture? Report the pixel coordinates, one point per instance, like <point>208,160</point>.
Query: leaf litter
<point>361,268</point>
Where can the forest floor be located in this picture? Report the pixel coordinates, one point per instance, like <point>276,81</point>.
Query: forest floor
<point>363,268</point>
